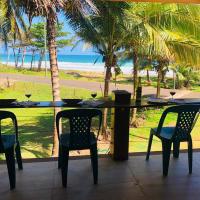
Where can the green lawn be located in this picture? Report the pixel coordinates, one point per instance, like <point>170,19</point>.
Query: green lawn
<point>92,76</point>
<point>139,136</point>
<point>68,75</point>
<point>36,125</point>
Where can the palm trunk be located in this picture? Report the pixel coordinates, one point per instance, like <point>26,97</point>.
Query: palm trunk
<point>158,82</point>
<point>23,56</point>
<point>17,60</point>
<point>163,75</point>
<point>32,58</point>
<point>107,81</point>
<point>135,78</point>
<point>106,91</point>
<point>135,73</point>
<point>41,59</point>
<point>51,34</point>
<point>148,78</point>
<point>14,54</point>
<point>8,55</point>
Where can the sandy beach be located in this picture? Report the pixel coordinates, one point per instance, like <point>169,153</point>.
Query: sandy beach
<point>89,67</point>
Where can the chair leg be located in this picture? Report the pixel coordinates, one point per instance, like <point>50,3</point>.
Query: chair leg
<point>149,146</point>
<point>64,164</point>
<point>166,149</point>
<point>10,160</point>
<point>176,147</point>
<point>94,161</point>
<point>18,156</point>
<point>59,158</point>
<point>190,155</point>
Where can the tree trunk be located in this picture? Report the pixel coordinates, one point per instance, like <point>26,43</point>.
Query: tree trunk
<point>135,82</point>
<point>163,74</point>
<point>32,58</point>
<point>51,35</point>
<point>106,91</point>
<point>23,56</point>
<point>135,73</point>
<point>148,78</point>
<point>158,82</point>
<point>8,55</point>
<point>14,54</point>
<point>41,59</point>
<point>17,60</point>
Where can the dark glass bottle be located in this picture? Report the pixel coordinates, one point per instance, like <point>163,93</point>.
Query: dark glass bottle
<point>139,91</point>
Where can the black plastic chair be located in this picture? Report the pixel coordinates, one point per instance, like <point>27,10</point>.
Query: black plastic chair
<point>79,137</point>
<point>186,118</point>
<point>9,144</point>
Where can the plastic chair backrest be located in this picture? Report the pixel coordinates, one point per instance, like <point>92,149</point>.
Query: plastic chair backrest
<point>187,117</point>
<point>7,115</point>
<point>80,123</point>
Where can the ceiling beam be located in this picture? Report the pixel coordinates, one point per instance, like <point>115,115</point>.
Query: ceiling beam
<point>164,1</point>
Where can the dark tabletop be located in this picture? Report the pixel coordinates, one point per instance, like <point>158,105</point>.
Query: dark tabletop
<point>102,104</point>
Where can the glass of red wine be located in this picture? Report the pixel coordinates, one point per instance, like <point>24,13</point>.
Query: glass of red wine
<point>172,93</point>
<point>93,95</point>
<point>28,95</point>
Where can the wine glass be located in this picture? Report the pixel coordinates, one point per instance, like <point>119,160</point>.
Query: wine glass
<point>172,93</point>
<point>28,95</point>
<point>93,95</point>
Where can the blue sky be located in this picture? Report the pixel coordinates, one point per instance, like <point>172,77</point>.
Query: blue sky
<point>78,50</point>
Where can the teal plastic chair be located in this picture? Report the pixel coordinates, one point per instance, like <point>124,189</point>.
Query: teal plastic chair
<point>79,137</point>
<point>9,144</point>
<point>186,118</point>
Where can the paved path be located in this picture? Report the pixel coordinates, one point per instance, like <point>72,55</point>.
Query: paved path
<point>98,86</point>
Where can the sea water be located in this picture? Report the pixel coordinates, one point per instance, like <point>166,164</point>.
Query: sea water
<point>67,62</point>
<point>73,62</point>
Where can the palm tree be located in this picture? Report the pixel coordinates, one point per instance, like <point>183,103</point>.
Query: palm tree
<point>185,75</point>
<point>49,9</point>
<point>105,33</point>
<point>169,33</point>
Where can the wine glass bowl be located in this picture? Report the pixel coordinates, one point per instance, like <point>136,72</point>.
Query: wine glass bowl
<point>172,93</point>
<point>93,94</point>
<point>28,95</point>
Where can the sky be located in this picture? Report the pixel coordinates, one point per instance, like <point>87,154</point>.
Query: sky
<point>78,50</point>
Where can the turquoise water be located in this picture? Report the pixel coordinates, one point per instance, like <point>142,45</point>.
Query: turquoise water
<point>61,58</point>
<point>67,62</point>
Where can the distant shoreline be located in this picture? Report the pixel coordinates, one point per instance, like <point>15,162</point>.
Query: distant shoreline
<point>87,67</point>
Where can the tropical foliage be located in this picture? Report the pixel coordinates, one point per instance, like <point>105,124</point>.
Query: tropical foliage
<point>14,12</point>
<point>38,42</point>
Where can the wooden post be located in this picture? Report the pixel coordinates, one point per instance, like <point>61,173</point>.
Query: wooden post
<point>120,126</point>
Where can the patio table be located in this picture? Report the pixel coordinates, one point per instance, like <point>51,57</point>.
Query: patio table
<point>120,106</point>
<point>119,121</point>
<point>119,124</point>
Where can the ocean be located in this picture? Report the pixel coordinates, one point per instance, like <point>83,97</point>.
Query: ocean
<point>67,62</point>
<point>90,63</point>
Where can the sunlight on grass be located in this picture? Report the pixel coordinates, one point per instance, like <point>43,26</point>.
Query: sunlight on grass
<point>36,125</point>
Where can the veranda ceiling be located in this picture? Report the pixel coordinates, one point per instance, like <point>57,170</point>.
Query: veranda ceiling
<point>164,1</point>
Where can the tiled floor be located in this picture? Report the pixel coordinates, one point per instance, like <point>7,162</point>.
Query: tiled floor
<point>133,179</point>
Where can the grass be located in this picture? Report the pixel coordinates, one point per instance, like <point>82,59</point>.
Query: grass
<point>63,74</point>
<point>36,125</point>
<point>139,136</point>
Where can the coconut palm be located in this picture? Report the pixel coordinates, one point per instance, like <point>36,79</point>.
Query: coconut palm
<point>185,75</point>
<point>167,31</point>
<point>15,9</point>
<point>105,33</point>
